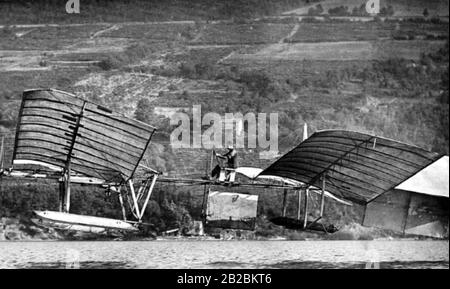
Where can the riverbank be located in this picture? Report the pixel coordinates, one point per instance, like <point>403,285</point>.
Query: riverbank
<point>16,229</point>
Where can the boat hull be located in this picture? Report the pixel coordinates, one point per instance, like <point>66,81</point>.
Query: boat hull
<point>68,227</point>
<point>80,222</point>
<point>294,224</point>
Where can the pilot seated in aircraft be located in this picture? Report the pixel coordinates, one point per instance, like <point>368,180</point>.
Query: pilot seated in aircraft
<point>228,173</point>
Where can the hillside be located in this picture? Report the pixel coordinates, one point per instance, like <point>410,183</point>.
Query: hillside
<point>388,78</point>
<point>400,8</point>
<point>50,11</point>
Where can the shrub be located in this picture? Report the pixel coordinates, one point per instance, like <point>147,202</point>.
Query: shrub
<point>317,10</point>
<point>255,80</point>
<point>43,63</point>
<point>187,69</point>
<point>111,62</point>
<point>387,11</point>
<point>143,110</point>
<point>131,55</point>
<point>6,31</point>
<point>339,11</point>
<point>360,11</point>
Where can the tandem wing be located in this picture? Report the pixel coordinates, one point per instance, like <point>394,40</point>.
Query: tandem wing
<point>356,166</point>
<point>61,130</point>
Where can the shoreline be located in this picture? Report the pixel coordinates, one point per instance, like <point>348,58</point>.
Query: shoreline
<point>23,230</point>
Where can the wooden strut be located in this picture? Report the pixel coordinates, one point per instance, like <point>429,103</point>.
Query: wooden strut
<point>206,191</point>
<point>322,198</point>
<point>66,205</point>
<point>305,221</point>
<point>207,187</point>
<point>141,191</point>
<point>61,196</point>
<point>200,182</point>
<point>405,217</point>
<point>144,191</point>
<point>124,213</point>
<point>138,196</point>
<point>283,210</point>
<point>149,193</point>
<point>135,208</point>
<point>66,172</point>
<point>130,202</point>
<point>322,203</point>
<point>299,202</point>
<point>2,154</point>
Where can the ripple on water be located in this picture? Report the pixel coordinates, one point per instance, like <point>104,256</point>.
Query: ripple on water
<point>226,254</point>
<point>81,265</point>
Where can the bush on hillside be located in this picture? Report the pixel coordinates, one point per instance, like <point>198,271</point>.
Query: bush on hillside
<point>132,55</point>
<point>339,11</point>
<point>314,11</point>
<point>387,11</point>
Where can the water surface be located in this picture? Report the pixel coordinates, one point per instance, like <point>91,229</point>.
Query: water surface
<point>225,254</point>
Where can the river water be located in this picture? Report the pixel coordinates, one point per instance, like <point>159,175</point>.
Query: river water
<point>225,254</point>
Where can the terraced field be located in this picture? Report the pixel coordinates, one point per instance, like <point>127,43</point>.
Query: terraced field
<point>155,31</point>
<point>183,63</point>
<point>243,33</point>
<point>49,37</point>
<point>340,51</point>
<point>360,31</point>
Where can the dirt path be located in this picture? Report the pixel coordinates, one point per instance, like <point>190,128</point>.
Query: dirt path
<point>341,51</point>
<point>213,46</point>
<point>226,57</point>
<point>103,31</point>
<point>23,33</point>
<point>290,35</point>
<point>199,34</point>
<point>95,23</point>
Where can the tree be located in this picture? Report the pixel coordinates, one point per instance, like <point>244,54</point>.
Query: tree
<point>425,13</point>
<point>187,69</point>
<point>315,11</point>
<point>387,11</point>
<point>143,110</point>
<point>390,11</point>
<point>339,11</point>
<point>319,8</point>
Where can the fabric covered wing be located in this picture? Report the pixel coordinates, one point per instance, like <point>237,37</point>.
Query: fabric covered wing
<point>357,166</point>
<point>103,144</point>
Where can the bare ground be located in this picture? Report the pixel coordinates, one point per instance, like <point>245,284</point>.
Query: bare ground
<point>341,51</point>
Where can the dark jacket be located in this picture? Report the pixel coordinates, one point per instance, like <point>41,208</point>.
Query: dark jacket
<point>232,159</point>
